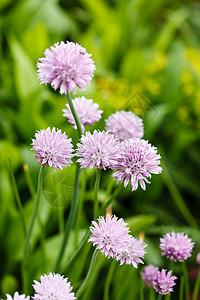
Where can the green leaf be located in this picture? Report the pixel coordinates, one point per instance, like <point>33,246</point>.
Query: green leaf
<point>140,222</point>
<point>35,41</point>
<point>175,21</point>
<point>52,246</point>
<point>24,71</point>
<point>161,230</point>
<point>133,65</point>
<point>7,148</point>
<point>4,3</point>
<point>123,279</point>
<point>9,284</point>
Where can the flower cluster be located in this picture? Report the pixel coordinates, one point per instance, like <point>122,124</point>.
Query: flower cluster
<point>137,160</point>
<point>120,148</point>
<point>125,125</point>
<point>111,236</point>
<point>54,148</point>
<point>86,110</point>
<point>99,149</point>
<point>176,246</point>
<point>164,282</point>
<point>149,275</point>
<point>53,286</point>
<point>66,66</point>
<point>17,297</point>
<point>132,253</point>
<point>161,281</point>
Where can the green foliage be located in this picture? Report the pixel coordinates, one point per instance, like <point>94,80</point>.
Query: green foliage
<point>147,57</point>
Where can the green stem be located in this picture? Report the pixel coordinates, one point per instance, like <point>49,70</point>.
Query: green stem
<point>16,192</point>
<point>178,198</point>
<point>61,223</point>
<point>96,189</point>
<point>29,181</point>
<point>109,186</point>
<point>181,288</point>
<point>76,254</point>
<point>142,291</point>
<point>30,228</point>
<point>159,297</point>
<point>74,207</point>
<point>108,280</point>
<point>74,113</point>
<point>186,280</point>
<point>152,295</point>
<point>86,237</point>
<point>70,220</point>
<point>33,195</point>
<point>88,276</point>
<point>168,296</point>
<point>196,287</point>
<point>83,182</point>
<point>111,198</point>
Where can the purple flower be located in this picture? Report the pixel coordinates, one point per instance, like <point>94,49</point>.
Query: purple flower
<point>137,160</point>
<point>164,282</point>
<point>125,125</point>
<point>110,235</point>
<point>176,246</point>
<point>87,112</point>
<point>17,297</point>
<point>149,275</point>
<point>66,66</point>
<point>99,149</point>
<point>198,258</point>
<point>53,149</point>
<point>52,286</point>
<point>132,253</point>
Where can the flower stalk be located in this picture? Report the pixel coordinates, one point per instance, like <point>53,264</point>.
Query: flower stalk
<point>74,207</point>
<point>16,192</point>
<point>111,198</point>
<point>96,189</point>
<point>75,115</point>
<point>196,287</point>
<point>70,220</point>
<point>152,295</point>
<point>89,274</point>
<point>108,280</point>
<point>30,228</point>
<point>87,234</point>
<point>142,291</point>
<point>186,280</point>
<point>181,290</point>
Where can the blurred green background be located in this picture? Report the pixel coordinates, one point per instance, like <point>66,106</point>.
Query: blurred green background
<point>147,57</point>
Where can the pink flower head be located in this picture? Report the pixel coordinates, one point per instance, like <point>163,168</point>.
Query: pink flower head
<point>164,282</point>
<point>110,235</point>
<point>149,275</point>
<point>198,258</point>
<point>137,160</point>
<point>132,253</point>
<point>53,148</point>
<point>176,246</point>
<point>17,297</point>
<point>87,112</point>
<point>125,125</point>
<point>54,287</point>
<point>66,66</point>
<point>99,149</point>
